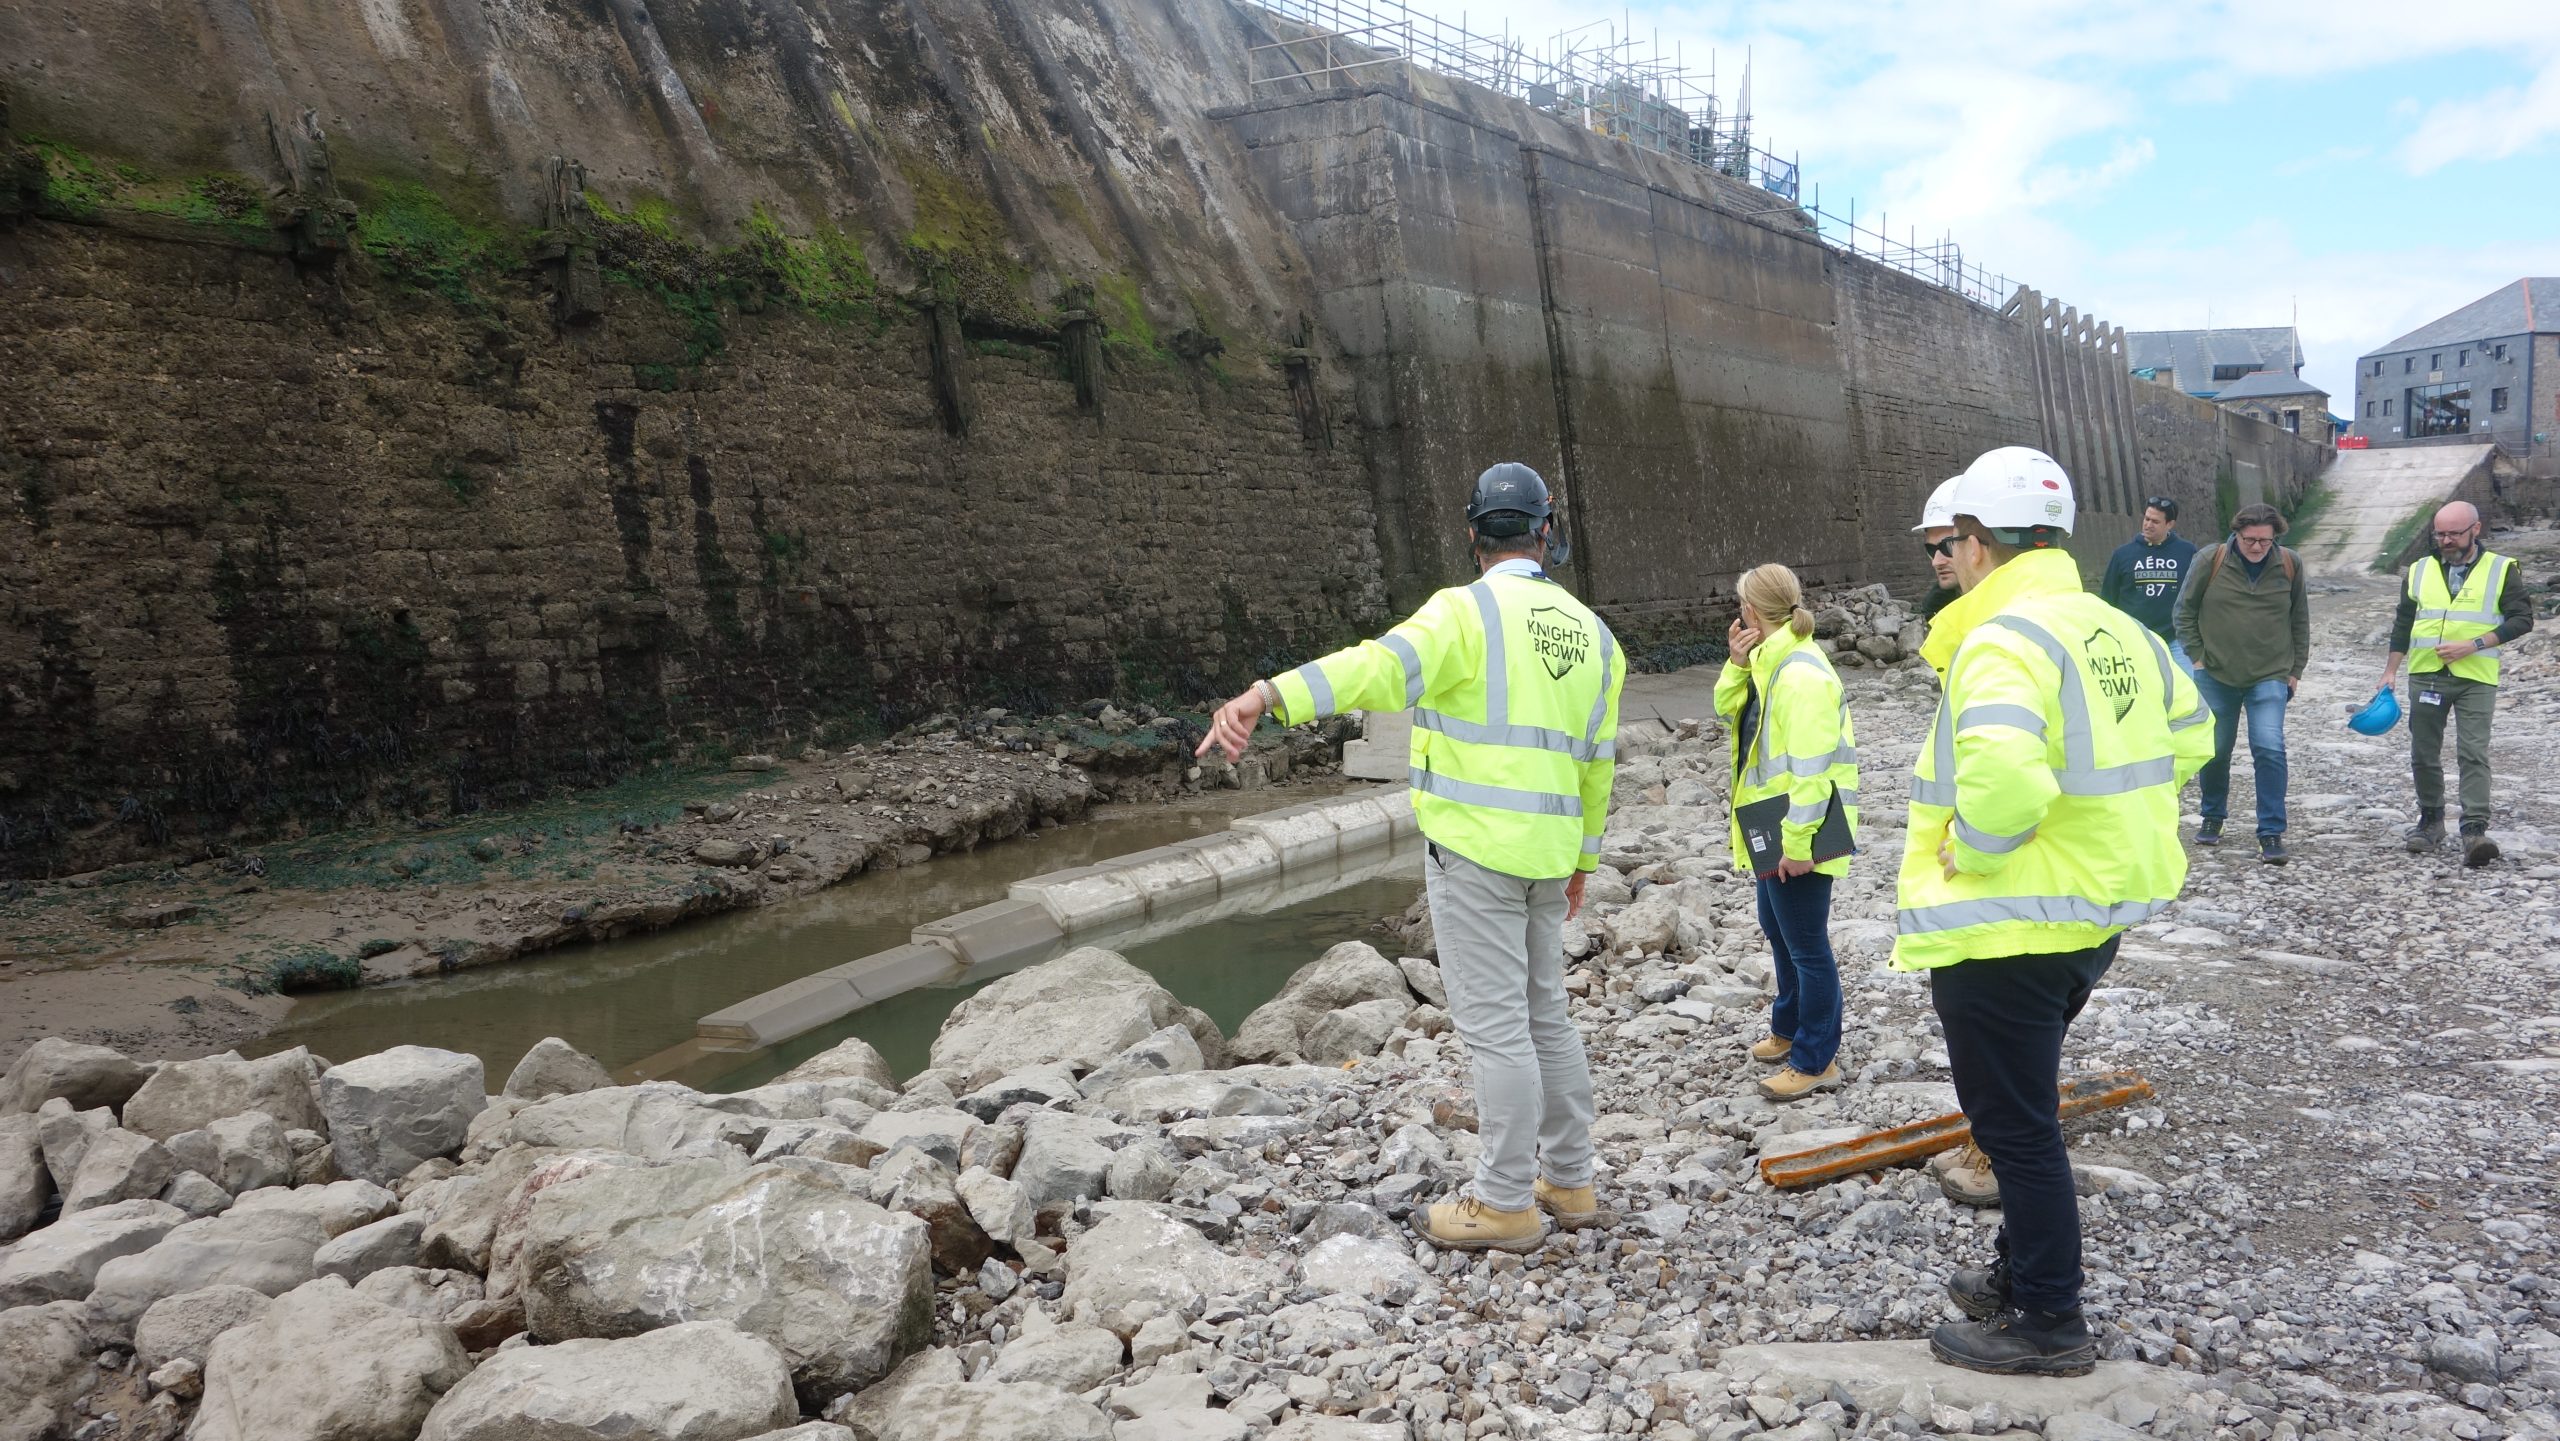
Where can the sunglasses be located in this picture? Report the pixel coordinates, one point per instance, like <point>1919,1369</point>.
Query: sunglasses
<point>1946,547</point>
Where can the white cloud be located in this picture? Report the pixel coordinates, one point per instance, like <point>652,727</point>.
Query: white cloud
<point>2508,121</point>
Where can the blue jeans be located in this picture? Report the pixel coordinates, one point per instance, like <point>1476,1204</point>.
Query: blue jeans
<point>2265,703</point>
<point>1796,917</point>
<point>2178,653</point>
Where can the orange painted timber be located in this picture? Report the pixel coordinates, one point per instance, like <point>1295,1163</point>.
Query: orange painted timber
<point>1903,1144</point>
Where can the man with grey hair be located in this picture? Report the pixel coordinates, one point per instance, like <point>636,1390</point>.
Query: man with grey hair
<point>2458,608</point>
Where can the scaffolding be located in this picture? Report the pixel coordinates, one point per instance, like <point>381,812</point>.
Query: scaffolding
<point>1604,78</point>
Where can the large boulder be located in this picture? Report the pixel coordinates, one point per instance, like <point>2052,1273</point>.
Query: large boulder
<point>1083,1008</point>
<point>428,1293</point>
<point>658,1121</point>
<point>1353,1033</point>
<point>1064,1156</point>
<point>354,1255</point>
<point>65,1136</point>
<point>922,1187</point>
<point>183,1327</point>
<point>61,1262</point>
<point>1351,974</point>
<point>185,1095</point>
<point>1075,1357</point>
<point>1142,1262</point>
<point>700,1381</point>
<point>843,1288</point>
<point>1650,923</point>
<point>44,1370</point>
<point>266,1251</point>
<point>554,1068</point>
<point>339,1206</point>
<point>464,1209</point>
<point>943,1411</point>
<point>325,1364</point>
<point>86,1076</point>
<point>118,1165</point>
<point>851,1059</point>
<point>246,1152</point>
<point>25,1183</point>
<point>389,1111</point>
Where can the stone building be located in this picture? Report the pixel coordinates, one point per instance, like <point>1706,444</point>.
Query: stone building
<point>2280,398</point>
<point>2489,371</point>
<point>2203,362</point>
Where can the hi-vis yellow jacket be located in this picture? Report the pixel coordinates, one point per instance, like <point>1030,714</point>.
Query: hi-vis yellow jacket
<point>1800,746</point>
<point>2063,735</point>
<point>1514,685</point>
<point>2444,618</point>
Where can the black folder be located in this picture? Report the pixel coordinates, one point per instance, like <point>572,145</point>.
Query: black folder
<point>1764,832</point>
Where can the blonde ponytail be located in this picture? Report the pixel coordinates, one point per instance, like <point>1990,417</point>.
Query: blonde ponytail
<point>1772,592</point>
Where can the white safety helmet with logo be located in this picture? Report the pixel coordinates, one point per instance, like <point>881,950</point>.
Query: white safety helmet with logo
<point>1937,514</point>
<point>2013,491</point>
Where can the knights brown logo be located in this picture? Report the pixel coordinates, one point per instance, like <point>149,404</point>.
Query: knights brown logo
<point>2114,672</point>
<point>1560,640</point>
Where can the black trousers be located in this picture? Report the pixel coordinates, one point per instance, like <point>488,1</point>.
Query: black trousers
<point>2004,1021</point>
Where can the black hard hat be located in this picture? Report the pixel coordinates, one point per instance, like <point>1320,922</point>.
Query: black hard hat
<point>1512,497</point>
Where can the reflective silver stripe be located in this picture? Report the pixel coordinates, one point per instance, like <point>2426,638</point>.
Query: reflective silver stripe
<point>1987,843</point>
<point>1318,688</point>
<point>2491,572</point>
<point>1600,702</point>
<point>1942,750</point>
<point>2045,910</point>
<point>1808,815</point>
<point>2117,780</point>
<point>1533,738</point>
<point>2169,690</point>
<point>1412,659</point>
<point>1500,798</point>
<point>2017,717</point>
<point>1933,793</point>
<point>2196,717</point>
<point>1591,845</point>
<point>1497,673</point>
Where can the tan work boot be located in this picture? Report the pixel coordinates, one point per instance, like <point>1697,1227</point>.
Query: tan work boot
<point>1467,1224</point>
<point>1574,1207</point>
<point>1771,1048</point>
<point>1965,1175</point>
<point>1791,1084</point>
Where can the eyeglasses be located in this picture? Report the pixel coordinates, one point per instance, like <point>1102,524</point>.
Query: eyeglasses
<point>2455,534</point>
<point>1946,547</point>
<point>2256,539</point>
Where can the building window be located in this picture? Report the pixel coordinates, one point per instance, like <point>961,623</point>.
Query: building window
<point>2293,421</point>
<point>2436,361</point>
<point>2463,360</point>
<point>2408,364</point>
<point>2497,400</point>
<point>2368,410</point>
<point>2232,372</point>
<point>2497,352</point>
<point>2440,409</point>
<point>2386,407</point>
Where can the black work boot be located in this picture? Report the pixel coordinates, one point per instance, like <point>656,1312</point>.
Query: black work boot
<point>2019,1343</point>
<point>2271,850</point>
<point>2477,848</point>
<point>1981,1292</point>
<point>2428,834</point>
<point>2209,833</point>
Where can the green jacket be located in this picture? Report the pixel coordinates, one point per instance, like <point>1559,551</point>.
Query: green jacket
<point>2240,631</point>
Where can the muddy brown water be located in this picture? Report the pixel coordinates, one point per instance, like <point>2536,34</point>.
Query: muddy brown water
<point>622,1001</point>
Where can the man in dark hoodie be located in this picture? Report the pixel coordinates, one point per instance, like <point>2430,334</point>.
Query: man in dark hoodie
<point>2144,574</point>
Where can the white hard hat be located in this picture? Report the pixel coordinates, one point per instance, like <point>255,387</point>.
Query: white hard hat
<point>1936,515</point>
<point>2014,488</point>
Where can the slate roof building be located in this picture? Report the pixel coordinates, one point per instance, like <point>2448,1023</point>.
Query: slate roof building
<point>2203,362</point>
<point>2489,371</point>
<point>2281,398</point>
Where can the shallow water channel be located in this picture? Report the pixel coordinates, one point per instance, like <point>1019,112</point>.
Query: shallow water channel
<point>622,1001</point>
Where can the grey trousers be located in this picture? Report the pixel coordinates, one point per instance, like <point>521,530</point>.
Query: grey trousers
<point>1502,959</point>
<point>2472,706</point>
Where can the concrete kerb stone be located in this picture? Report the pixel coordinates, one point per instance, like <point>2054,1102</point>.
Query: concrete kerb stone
<point>1083,898</point>
<point>1041,911</point>
<point>1238,860</point>
<point>997,933</point>
<point>783,1012</point>
<point>1167,879</point>
<point>897,970</point>
<point>1300,834</point>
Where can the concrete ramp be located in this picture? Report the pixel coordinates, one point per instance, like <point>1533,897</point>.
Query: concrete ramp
<point>2373,490</point>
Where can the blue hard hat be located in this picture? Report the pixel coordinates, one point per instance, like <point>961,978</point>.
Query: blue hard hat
<point>2378,717</point>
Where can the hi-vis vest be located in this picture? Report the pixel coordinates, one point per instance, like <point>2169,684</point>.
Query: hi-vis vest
<point>1514,685</point>
<point>2063,735</point>
<point>1800,745</point>
<point>2444,618</point>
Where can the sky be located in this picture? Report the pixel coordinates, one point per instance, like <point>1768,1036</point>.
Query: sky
<point>2354,167</point>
